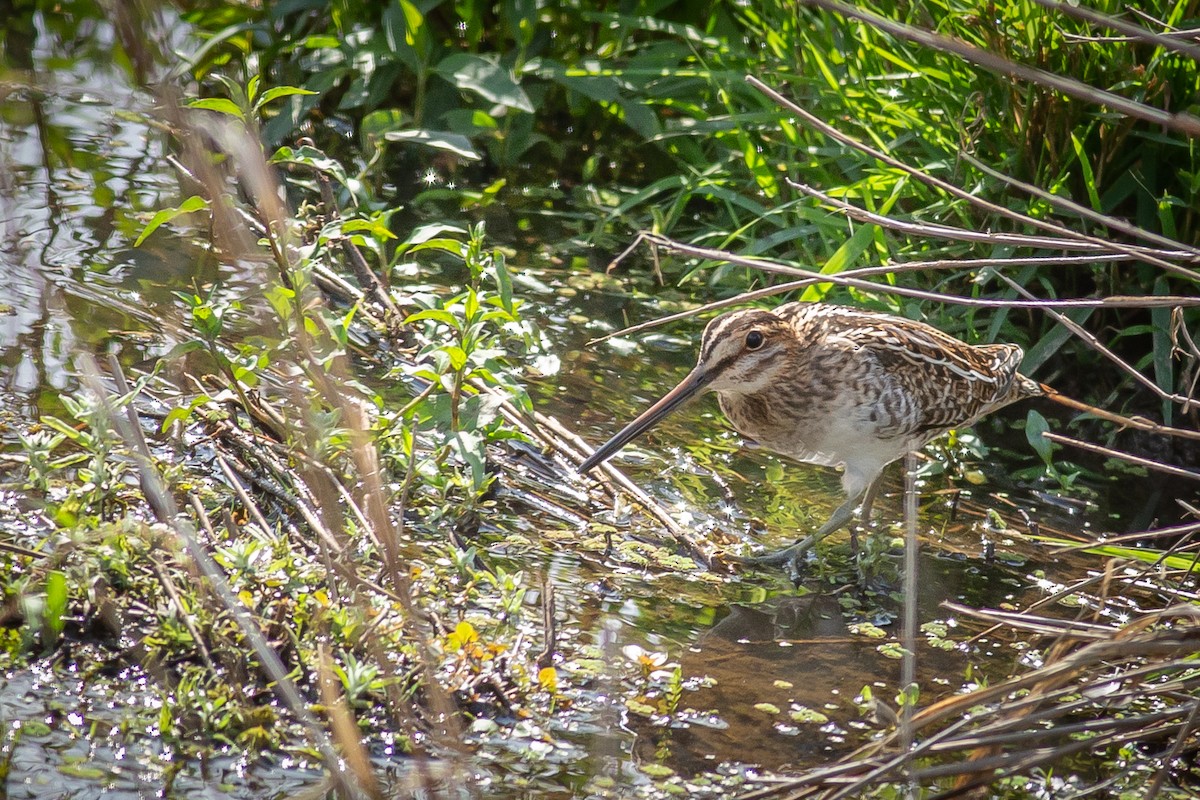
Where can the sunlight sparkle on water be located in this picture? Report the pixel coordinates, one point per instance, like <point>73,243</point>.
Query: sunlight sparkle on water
<point>1047,585</point>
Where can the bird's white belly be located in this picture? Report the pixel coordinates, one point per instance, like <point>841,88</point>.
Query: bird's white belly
<point>839,440</point>
<point>828,439</point>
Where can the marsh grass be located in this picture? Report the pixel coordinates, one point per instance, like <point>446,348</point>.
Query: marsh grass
<point>297,558</point>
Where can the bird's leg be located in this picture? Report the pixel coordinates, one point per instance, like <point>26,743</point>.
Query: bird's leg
<point>864,515</point>
<point>792,555</point>
<point>864,520</point>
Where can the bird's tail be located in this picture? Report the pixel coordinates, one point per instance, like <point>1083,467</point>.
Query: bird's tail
<point>1028,387</point>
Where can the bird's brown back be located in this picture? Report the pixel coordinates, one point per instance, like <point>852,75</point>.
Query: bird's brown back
<point>922,381</point>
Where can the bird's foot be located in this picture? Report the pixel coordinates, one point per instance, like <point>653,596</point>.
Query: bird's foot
<point>790,558</point>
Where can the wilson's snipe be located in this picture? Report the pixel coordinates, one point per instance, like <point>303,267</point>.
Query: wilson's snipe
<point>840,387</point>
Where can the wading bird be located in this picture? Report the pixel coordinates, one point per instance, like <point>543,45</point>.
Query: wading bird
<point>840,387</point>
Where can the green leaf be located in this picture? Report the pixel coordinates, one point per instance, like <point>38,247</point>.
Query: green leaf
<point>1052,342</point>
<point>1035,427</point>
<point>183,413</point>
<point>1089,178</point>
<point>433,237</point>
<point>374,227</point>
<point>221,105</point>
<point>192,204</point>
<point>414,21</point>
<point>842,259</point>
<point>764,176</point>
<point>471,448</point>
<point>486,78</point>
<point>56,602</point>
<point>601,88</point>
<point>503,282</point>
<point>435,314</point>
<point>183,348</point>
<point>439,140</point>
<point>280,91</point>
<point>457,356</point>
<point>313,158</point>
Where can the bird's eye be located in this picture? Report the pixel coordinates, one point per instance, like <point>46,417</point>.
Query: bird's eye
<point>754,340</point>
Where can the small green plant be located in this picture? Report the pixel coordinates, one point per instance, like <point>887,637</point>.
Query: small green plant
<point>245,103</point>
<point>93,472</point>
<point>39,447</point>
<point>464,368</point>
<point>359,679</point>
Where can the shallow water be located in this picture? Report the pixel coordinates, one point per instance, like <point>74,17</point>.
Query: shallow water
<point>772,674</point>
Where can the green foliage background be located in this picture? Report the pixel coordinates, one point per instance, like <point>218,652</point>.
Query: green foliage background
<point>637,116</point>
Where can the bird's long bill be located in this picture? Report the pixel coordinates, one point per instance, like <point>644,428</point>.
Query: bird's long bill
<point>688,388</point>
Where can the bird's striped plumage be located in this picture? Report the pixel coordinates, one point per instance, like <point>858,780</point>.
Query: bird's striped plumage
<point>841,387</point>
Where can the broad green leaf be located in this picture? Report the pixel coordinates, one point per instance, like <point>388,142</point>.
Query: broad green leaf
<point>764,176</point>
<point>182,413</point>
<point>435,314</point>
<point>221,105</point>
<point>453,246</point>
<point>426,233</point>
<point>313,158</point>
<point>66,429</point>
<point>233,90</point>
<point>638,116</point>
<point>1035,428</point>
<point>192,204</point>
<point>842,259</point>
<point>183,348</point>
<point>486,78</point>
<point>280,91</point>
<point>1050,344</point>
<point>655,25</point>
<point>457,356</point>
<point>601,88</point>
<point>439,140</point>
<point>374,227</point>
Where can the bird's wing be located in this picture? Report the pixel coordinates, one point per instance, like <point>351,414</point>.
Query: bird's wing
<point>929,381</point>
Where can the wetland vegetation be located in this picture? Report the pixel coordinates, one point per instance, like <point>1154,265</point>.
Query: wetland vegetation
<point>311,310</point>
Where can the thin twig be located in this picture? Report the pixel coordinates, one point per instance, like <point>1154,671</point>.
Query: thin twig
<point>1139,423</point>
<point>1133,32</point>
<point>847,278</point>
<point>940,231</point>
<point>1085,212</point>
<point>908,670</point>
<point>1158,466</point>
<point>1096,345</point>
<point>946,186</point>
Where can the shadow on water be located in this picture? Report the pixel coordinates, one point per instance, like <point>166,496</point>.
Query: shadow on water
<point>771,675</point>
